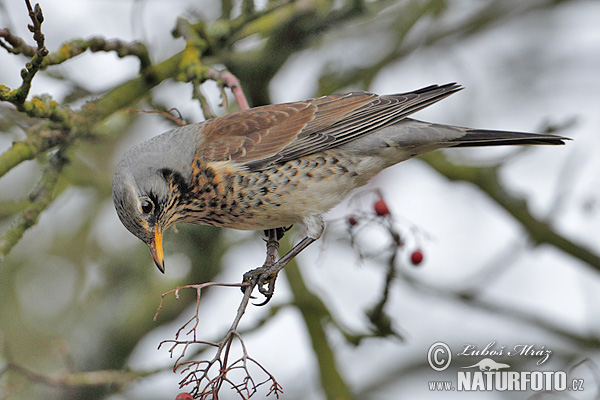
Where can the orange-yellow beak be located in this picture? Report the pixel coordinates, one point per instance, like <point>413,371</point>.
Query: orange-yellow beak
<point>156,250</point>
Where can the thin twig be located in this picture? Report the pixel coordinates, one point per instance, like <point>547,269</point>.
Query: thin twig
<point>229,80</point>
<point>196,287</point>
<point>18,96</point>
<point>166,114</point>
<point>204,104</point>
<point>199,373</point>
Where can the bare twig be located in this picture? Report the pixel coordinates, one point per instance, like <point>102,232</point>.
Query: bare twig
<point>14,44</point>
<point>209,376</point>
<point>204,104</point>
<point>18,96</point>
<point>166,114</point>
<point>226,78</point>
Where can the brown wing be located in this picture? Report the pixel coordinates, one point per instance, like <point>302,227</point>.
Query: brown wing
<point>264,135</point>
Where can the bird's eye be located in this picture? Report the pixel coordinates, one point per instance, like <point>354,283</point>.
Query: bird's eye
<point>147,206</point>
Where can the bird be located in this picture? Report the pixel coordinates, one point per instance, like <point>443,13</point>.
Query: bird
<point>269,167</point>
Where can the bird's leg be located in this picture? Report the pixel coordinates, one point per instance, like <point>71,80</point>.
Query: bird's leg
<point>270,273</point>
<point>264,277</point>
<point>272,246</point>
<point>252,277</point>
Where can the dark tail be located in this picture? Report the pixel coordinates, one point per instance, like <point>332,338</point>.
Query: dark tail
<point>482,137</point>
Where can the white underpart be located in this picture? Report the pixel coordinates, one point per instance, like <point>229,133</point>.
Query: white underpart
<point>314,226</point>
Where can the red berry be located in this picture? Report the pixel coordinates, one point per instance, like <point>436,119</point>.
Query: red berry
<point>184,396</point>
<point>381,208</point>
<point>352,220</point>
<point>416,257</point>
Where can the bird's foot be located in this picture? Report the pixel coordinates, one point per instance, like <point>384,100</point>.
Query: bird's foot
<point>264,278</point>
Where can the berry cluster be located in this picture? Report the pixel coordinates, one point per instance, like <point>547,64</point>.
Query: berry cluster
<point>381,210</point>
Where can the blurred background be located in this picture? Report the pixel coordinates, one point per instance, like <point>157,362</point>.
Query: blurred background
<point>513,260</point>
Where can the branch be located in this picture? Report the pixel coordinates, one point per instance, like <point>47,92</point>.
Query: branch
<point>14,44</point>
<point>40,138</point>
<point>315,313</point>
<point>487,306</point>
<point>38,201</point>
<point>486,179</point>
<point>63,125</point>
<point>227,79</point>
<point>17,97</point>
<point>95,44</point>
<point>413,12</point>
<point>79,379</point>
<point>288,29</point>
<point>200,373</point>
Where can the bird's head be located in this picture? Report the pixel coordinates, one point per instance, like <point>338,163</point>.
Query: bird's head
<point>141,202</point>
<point>145,191</point>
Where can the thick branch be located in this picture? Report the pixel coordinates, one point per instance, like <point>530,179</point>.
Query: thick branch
<point>76,47</point>
<point>410,14</point>
<point>501,310</point>
<point>79,379</point>
<point>315,314</point>
<point>486,179</point>
<point>288,29</point>
<point>38,202</point>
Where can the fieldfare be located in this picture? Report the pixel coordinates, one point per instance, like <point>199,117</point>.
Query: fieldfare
<point>273,166</point>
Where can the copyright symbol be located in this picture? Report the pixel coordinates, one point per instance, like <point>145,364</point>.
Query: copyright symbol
<point>439,356</point>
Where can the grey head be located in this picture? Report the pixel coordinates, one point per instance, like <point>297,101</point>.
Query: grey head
<point>143,185</point>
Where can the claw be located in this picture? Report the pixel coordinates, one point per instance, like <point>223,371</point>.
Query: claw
<point>267,279</point>
<point>263,278</point>
<point>267,274</point>
<point>267,299</point>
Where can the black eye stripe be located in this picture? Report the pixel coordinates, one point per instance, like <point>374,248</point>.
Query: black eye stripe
<point>166,173</point>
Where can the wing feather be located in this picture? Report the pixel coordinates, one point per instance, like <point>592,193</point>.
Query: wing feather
<point>261,136</point>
